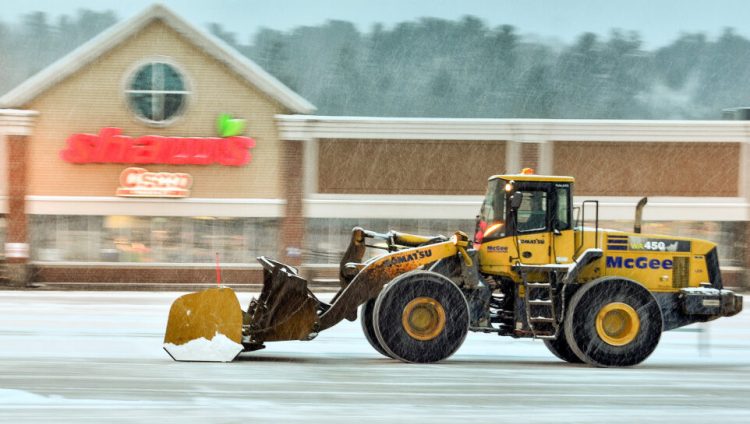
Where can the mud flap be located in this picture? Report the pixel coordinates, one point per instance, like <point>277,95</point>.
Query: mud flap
<point>205,326</point>
<point>285,310</point>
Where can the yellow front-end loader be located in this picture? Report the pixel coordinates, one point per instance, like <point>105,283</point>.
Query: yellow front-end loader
<point>593,295</point>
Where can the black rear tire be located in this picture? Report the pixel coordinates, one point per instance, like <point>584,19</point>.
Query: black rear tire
<point>422,317</point>
<point>561,348</point>
<point>613,322</point>
<point>368,326</point>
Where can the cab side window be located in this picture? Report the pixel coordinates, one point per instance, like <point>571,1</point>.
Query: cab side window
<point>563,208</point>
<point>532,214</point>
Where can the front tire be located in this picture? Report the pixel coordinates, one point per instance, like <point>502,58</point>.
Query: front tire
<point>613,322</point>
<point>368,326</point>
<point>421,317</point>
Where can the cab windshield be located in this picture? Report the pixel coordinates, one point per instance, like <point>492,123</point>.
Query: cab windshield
<point>491,222</point>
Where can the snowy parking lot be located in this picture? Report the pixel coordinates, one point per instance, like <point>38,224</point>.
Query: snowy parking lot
<point>97,357</point>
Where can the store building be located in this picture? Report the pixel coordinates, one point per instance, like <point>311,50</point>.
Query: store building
<point>148,94</point>
<point>154,147</point>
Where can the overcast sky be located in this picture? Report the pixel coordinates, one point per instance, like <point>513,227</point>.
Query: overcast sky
<point>658,21</point>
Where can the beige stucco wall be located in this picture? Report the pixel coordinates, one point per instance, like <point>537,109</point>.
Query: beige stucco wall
<point>93,98</point>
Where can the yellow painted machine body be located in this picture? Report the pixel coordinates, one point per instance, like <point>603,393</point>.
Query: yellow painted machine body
<point>652,260</point>
<point>660,263</point>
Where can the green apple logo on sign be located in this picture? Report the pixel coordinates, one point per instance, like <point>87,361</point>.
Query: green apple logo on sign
<point>228,126</point>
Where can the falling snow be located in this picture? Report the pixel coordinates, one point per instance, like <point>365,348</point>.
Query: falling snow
<point>97,356</point>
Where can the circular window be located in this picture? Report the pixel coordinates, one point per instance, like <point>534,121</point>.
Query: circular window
<point>156,92</point>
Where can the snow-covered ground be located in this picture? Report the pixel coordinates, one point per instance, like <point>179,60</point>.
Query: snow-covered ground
<point>96,357</point>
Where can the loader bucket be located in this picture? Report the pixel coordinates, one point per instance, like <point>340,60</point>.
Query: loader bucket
<point>285,310</point>
<point>205,326</point>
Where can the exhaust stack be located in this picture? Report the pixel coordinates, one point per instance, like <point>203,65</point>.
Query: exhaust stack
<point>638,215</point>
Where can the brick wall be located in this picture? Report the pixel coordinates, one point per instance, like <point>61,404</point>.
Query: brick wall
<point>293,224</point>
<point>408,166</point>
<point>650,169</point>
<point>3,166</point>
<point>17,226</point>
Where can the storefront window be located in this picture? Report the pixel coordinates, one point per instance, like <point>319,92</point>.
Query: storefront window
<point>180,240</point>
<point>164,240</point>
<point>157,92</point>
<point>58,238</point>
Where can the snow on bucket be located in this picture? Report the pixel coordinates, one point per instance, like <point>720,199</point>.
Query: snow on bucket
<point>219,349</point>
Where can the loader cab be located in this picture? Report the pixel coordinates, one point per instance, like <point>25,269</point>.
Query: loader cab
<point>526,218</point>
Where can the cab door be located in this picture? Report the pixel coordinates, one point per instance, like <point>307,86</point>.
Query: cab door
<point>531,223</point>
<point>563,237</point>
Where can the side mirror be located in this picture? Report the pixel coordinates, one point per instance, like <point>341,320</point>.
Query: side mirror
<point>515,200</point>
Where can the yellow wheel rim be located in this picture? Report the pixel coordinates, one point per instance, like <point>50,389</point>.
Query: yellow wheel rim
<point>617,324</point>
<point>423,318</point>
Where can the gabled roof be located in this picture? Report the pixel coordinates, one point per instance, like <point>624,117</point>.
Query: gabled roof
<point>117,34</point>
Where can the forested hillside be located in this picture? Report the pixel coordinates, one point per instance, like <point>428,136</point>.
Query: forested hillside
<point>463,68</point>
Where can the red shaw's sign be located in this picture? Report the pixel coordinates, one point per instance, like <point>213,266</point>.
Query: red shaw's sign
<point>138,182</point>
<point>109,146</point>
